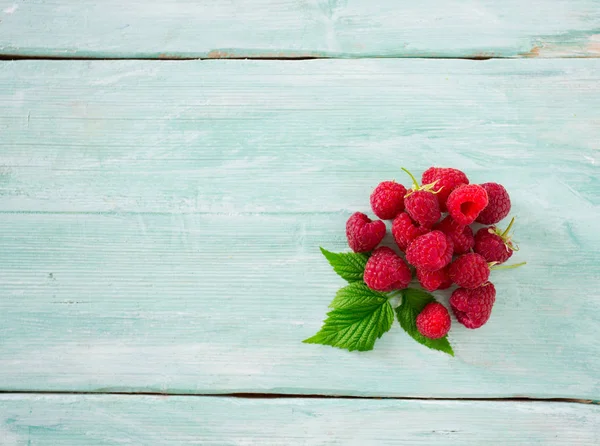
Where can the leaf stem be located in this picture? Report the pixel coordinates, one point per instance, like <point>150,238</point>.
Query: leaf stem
<point>415,182</point>
<point>516,265</point>
<point>508,229</point>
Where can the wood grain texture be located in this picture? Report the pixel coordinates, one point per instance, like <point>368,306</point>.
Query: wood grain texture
<point>107,420</point>
<point>161,221</point>
<point>300,28</point>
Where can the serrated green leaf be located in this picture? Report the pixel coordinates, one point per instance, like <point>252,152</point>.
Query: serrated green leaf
<point>355,295</point>
<point>356,327</point>
<point>413,302</point>
<point>349,266</point>
<point>417,298</point>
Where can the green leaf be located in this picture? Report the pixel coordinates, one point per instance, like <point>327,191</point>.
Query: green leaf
<point>349,265</point>
<point>413,302</point>
<point>356,295</point>
<point>358,321</point>
<point>417,298</point>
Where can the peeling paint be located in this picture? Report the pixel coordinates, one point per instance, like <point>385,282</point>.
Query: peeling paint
<point>534,52</point>
<point>218,54</point>
<point>593,46</point>
<point>581,46</point>
<point>482,55</point>
<point>173,56</point>
<point>242,54</point>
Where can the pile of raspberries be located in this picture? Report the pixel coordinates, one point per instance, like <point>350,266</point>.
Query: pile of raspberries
<point>431,226</point>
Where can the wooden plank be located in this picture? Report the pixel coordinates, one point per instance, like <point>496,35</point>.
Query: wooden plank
<point>260,136</point>
<point>307,28</point>
<point>104,419</point>
<point>161,221</point>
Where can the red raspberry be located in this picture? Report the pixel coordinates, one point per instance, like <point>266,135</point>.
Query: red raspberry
<point>434,321</point>
<point>405,230</point>
<point>387,200</point>
<point>469,271</point>
<point>434,280</point>
<point>386,271</point>
<point>423,207</point>
<point>498,204</point>
<point>466,202</point>
<point>363,233</point>
<point>461,235</point>
<point>473,308</point>
<point>430,252</point>
<point>421,203</point>
<point>494,244</point>
<point>447,179</point>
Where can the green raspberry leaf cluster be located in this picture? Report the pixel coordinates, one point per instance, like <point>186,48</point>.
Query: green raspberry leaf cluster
<point>360,315</point>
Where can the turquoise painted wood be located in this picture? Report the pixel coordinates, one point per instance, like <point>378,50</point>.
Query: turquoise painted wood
<point>108,420</point>
<point>160,222</point>
<point>300,28</point>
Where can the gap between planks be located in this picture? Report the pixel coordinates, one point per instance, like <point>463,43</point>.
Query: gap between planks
<point>227,56</point>
<point>284,58</point>
<point>251,395</point>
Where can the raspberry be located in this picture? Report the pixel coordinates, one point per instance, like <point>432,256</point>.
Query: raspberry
<point>430,252</point>
<point>469,271</point>
<point>498,204</point>
<point>466,202</point>
<point>386,271</point>
<point>423,207</point>
<point>494,244</point>
<point>421,203</point>
<point>387,200</point>
<point>405,230</point>
<point>461,235</point>
<point>473,308</point>
<point>363,233</point>
<point>434,280</point>
<point>447,179</point>
<point>434,321</point>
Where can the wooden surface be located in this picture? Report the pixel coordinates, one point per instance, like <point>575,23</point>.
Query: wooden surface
<point>300,28</point>
<point>109,420</point>
<point>160,220</point>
